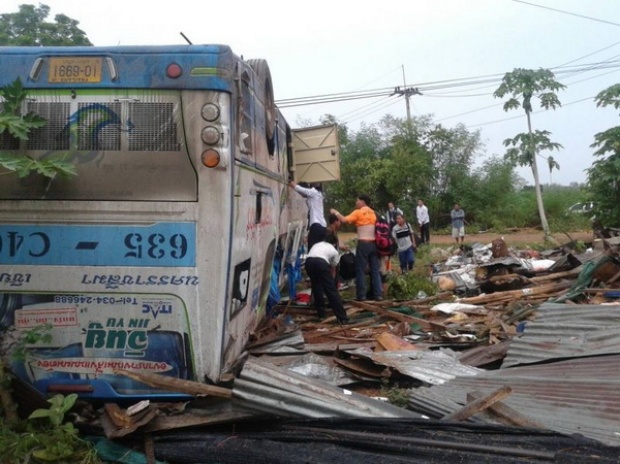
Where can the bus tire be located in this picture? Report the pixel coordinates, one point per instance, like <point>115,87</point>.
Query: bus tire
<point>261,68</point>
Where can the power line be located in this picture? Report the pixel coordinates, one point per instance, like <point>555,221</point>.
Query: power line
<point>426,87</point>
<point>568,13</point>
<point>533,112</point>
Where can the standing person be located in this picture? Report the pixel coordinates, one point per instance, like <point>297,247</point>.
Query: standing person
<point>321,262</point>
<point>364,218</point>
<point>403,234</point>
<point>391,214</point>
<point>458,224</point>
<point>424,221</point>
<point>316,217</point>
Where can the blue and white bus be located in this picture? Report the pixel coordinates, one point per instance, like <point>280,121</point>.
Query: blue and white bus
<point>157,257</point>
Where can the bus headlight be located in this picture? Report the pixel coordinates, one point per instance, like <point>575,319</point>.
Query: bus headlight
<point>210,135</point>
<point>210,112</point>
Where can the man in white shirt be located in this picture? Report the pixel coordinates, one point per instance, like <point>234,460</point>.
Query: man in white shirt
<point>424,221</point>
<point>316,217</point>
<point>321,263</point>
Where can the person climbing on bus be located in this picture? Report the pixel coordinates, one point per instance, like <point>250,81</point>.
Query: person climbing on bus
<point>316,217</point>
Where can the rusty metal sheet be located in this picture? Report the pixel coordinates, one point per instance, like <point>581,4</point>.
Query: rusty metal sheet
<point>266,388</point>
<point>433,367</point>
<point>564,331</point>
<point>572,396</point>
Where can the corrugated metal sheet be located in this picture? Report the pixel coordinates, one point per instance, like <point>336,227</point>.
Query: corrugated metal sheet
<point>573,396</point>
<point>433,367</point>
<point>564,331</point>
<point>269,389</point>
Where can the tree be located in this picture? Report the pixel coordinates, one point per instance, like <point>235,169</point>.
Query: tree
<point>28,27</point>
<point>453,151</point>
<point>524,84</point>
<point>604,173</point>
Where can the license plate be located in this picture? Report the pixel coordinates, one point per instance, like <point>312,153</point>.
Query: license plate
<point>74,70</point>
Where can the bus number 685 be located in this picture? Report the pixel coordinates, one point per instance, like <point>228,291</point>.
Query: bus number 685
<point>155,246</point>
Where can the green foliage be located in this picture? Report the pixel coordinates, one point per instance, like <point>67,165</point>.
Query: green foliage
<point>28,27</point>
<point>407,286</point>
<point>524,146</point>
<point>525,83</point>
<point>19,126</point>
<point>60,405</point>
<point>23,166</point>
<point>604,174</point>
<point>393,161</point>
<point>41,333</point>
<point>395,395</point>
<point>50,441</point>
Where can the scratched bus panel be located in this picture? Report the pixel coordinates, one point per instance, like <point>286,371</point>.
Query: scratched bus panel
<point>100,333</point>
<point>161,244</point>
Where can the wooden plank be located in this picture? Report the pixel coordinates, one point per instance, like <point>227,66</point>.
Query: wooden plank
<point>517,294</point>
<point>175,384</point>
<point>390,342</point>
<point>475,406</point>
<point>506,414</point>
<point>427,326</point>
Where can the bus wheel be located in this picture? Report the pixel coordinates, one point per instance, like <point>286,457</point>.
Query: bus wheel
<point>261,68</point>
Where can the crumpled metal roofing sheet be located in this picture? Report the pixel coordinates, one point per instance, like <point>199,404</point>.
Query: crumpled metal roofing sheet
<point>564,331</point>
<point>270,389</point>
<point>433,367</point>
<point>572,396</point>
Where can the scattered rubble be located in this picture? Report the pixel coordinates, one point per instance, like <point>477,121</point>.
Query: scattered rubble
<point>522,339</point>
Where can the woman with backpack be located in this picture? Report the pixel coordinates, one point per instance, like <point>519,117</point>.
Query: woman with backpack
<point>405,239</point>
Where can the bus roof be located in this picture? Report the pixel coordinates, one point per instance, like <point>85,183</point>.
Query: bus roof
<point>201,66</point>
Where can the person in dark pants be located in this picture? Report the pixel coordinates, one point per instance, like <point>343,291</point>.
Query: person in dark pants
<point>316,217</point>
<point>366,256</point>
<point>321,263</point>
<point>424,222</point>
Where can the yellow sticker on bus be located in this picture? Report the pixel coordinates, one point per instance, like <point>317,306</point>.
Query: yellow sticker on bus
<point>74,70</point>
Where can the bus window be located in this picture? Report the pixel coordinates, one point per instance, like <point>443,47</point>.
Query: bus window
<point>245,117</point>
<point>259,207</point>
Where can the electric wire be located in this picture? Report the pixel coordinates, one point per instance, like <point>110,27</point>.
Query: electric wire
<point>568,13</point>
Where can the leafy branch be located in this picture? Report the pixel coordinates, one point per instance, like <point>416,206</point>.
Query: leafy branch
<point>19,126</point>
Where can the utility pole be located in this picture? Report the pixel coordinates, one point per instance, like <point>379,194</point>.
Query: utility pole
<point>407,92</point>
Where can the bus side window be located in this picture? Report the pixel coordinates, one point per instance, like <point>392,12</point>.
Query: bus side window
<point>245,118</point>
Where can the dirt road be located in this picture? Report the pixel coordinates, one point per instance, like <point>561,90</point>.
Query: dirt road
<point>512,238</point>
<point>519,237</point>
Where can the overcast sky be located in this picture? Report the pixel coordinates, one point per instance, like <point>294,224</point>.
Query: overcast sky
<point>331,47</point>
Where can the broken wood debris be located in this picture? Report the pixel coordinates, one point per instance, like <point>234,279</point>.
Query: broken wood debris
<point>419,342</point>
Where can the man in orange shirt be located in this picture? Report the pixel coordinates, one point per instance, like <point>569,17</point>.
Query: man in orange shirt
<point>364,218</point>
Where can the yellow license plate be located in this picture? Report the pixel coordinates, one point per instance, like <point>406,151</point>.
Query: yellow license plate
<point>74,70</point>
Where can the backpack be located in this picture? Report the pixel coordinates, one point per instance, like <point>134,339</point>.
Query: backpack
<point>347,266</point>
<point>386,246</point>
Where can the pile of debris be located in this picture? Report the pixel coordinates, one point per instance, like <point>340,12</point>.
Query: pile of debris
<point>517,339</point>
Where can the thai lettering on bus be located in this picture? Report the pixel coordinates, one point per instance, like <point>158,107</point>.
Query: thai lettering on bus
<point>35,244</point>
